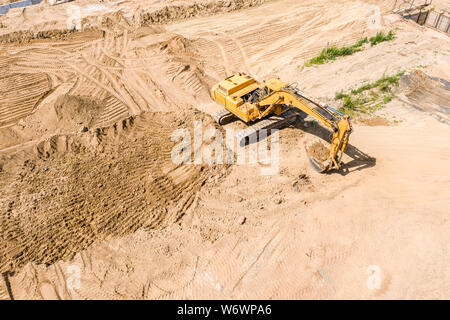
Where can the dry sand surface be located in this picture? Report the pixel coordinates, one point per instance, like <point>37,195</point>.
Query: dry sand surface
<point>87,182</point>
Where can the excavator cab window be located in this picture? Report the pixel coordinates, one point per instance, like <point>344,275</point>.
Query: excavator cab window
<point>252,96</point>
<point>255,95</point>
<point>266,91</point>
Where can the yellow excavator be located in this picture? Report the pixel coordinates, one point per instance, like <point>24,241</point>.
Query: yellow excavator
<point>273,104</point>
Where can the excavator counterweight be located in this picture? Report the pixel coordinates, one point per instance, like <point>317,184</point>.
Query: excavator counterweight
<point>273,104</point>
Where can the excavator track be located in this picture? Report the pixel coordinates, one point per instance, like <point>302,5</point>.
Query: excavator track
<point>272,122</point>
<point>223,117</point>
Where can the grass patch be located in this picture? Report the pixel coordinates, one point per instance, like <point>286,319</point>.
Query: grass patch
<point>388,98</point>
<point>381,37</point>
<point>333,52</point>
<point>369,97</point>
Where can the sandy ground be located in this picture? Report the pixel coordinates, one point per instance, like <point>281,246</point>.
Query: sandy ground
<point>88,186</point>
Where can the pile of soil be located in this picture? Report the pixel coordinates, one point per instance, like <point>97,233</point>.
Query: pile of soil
<point>414,80</point>
<point>77,191</point>
<point>319,151</point>
<point>75,111</point>
<point>427,94</point>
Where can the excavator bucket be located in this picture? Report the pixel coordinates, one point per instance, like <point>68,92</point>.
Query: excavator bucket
<point>318,155</point>
<point>317,165</point>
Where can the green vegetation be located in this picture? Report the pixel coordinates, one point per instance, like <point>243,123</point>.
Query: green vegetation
<point>333,52</point>
<point>381,37</point>
<point>369,97</point>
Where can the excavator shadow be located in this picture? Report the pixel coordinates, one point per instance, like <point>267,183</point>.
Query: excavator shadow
<point>360,160</point>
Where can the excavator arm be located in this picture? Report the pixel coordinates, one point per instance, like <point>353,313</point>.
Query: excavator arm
<point>339,123</point>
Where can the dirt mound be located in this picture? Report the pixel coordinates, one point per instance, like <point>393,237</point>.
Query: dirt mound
<point>426,94</point>
<point>415,80</point>
<point>175,45</point>
<point>76,111</point>
<point>202,8</point>
<point>92,80</point>
<point>119,179</point>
